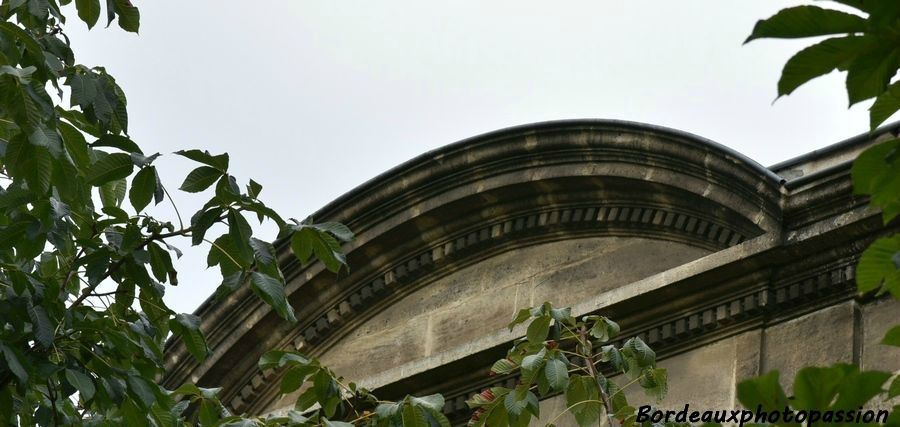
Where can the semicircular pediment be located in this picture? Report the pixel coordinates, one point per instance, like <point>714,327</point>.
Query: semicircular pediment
<point>468,233</point>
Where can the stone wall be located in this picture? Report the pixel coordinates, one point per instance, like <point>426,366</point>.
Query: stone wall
<point>725,267</point>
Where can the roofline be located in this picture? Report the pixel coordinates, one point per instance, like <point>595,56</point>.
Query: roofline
<point>838,146</point>
<point>512,130</point>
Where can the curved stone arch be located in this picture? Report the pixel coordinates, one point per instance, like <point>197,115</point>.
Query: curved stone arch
<point>475,199</point>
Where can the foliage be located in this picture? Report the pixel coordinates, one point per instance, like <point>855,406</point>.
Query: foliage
<point>562,355</point>
<point>83,265</point>
<point>869,51</point>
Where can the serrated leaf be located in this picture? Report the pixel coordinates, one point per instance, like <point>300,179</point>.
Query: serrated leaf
<point>271,290</point>
<point>604,329</point>
<point>820,59</point>
<point>642,354</point>
<point>870,73</point>
<point>557,374</point>
<point>240,233</point>
<point>160,262</point>
<point>109,168</point>
<point>200,179</point>
<point>188,327</point>
<point>876,269</point>
<point>582,396</point>
<point>885,106</point>
<point>892,337</point>
<point>294,378</point>
<point>141,390</point>
<point>308,241</point>
<point>807,21</point>
<point>82,382</point>
<point>14,364</point>
<point>538,329</point>
<point>655,382</point>
<point>894,388</point>
<point>523,315</point>
<point>129,16</point>
<point>876,172</point>
<point>201,222</point>
<point>219,162</point>
<point>263,251</point>
<point>503,366</point>
<point>764,390</point>
<point>143,187</point>
<point>118,141</point>
<point>338,230</point>
<point>42,327</point>
<point>253,188</point>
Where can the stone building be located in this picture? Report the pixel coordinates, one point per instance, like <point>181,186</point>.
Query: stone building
<point>726,268</point>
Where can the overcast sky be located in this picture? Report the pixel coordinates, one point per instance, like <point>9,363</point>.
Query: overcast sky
<point>312,98</point>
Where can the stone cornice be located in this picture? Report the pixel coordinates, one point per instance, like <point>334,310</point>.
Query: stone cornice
<point>512,189</point>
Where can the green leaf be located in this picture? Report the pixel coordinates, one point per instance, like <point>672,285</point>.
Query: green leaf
<point>160,262</point>
<point>583,396</point>
<point>188,326</point>
<point>876,268</point>
<point>557,373</point>
<point>503,366</point>
<point>764,390</point>
<point>200,179</point>
<point>815,387</point>
<point>240,232</point>
<point>294,378</point>
<point>876,172</point>
<point>338,230</point>
<point>523,315</point>
<point>820,59</point>
<point>41,325</point>
<point>892,337</point>
<point>112,194</point>
<point>884,106</point>
<point>110,168</point>
<point>538,329</point>
<point>33,163</point>
<point>253,188</point>
<point>858,388</point>
<point>807,21</point>
<point>118,141</point>
<point>143,187</point>
<point>643,355</point>
<point>14,364</point>
<point>612,355</point>
<point>432,401</point>
<point>225,254</point>
<point>76,146</point>
<point>263,251</point>
<point>655,382</point>
<point>141,390</point>
<point>604,329</point>
<point>82,382</point>
<point>309,240</point>
<point>271,290</point>
<point>894,388</point>
<point>129,15</point>
<point>219,162</point>
<point>201,222</point>
<point>531,366</point>
<point>869,75</point>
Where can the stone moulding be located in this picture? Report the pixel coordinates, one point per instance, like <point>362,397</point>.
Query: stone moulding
<point>511,189</point>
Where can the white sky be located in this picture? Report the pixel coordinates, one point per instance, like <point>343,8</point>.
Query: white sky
<point>312,98</point>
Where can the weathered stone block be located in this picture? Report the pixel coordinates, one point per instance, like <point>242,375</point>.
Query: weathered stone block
<point>817,339</point>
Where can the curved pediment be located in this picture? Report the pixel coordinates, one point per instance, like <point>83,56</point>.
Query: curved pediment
<point>458,238</point>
